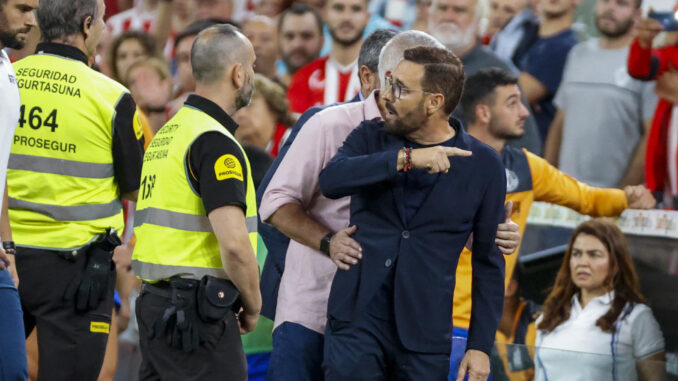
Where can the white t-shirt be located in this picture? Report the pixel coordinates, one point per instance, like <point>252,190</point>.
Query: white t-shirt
<point>579,350</point>
<point>9,115</point>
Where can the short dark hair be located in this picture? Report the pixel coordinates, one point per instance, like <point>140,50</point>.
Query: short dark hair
<point>443,73</point>
<point>63,18</point>
<point>198,26</point>
<point>480,88</point>
<point>214,50</point>
<point>300,10</point>
<point>371,48</point>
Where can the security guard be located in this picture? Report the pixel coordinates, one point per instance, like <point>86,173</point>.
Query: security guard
<point>75,153</point>
<point>196,225</point>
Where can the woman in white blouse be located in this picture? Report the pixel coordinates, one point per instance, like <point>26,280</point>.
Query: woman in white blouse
<point>595,325</point>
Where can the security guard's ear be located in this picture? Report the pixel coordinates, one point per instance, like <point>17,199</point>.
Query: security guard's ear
<point>87,26</point>
<point>238,75</point>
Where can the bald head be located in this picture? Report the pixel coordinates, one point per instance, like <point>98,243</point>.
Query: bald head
<point>216,50</point>
<point>393,51</point>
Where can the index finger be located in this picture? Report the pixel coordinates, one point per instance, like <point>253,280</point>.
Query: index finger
<point>454,151</point>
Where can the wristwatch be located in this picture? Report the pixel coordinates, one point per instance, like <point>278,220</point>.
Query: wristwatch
<point>9,247</point>
<point>325,243</point>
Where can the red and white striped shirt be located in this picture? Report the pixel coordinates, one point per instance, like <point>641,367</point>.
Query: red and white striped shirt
<point>131,19</point>
<point>322,82</point>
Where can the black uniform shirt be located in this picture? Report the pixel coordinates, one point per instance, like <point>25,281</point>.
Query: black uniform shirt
<point>128,151</point>
<point>210,154</point>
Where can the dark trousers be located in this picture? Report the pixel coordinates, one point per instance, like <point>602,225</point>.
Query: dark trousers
<point>297,354</point>
<point>12,339</point>
<point>71,345</point>
<point>368,348</point>
<point>220,355</point>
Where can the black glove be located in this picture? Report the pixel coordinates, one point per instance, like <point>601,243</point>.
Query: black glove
<point>180,323</point>
<point>91,285</point>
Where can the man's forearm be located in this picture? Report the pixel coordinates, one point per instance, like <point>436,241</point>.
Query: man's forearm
<point>237,256</point>
<point>635,174</point>
<point>293,221</point>
<point>5,229</point>
<point>553,139</point>
<point>241,268</point>
<point>346,175</point>
<point>488,265</point>
<point>487,295</point>
<point>163,25</point>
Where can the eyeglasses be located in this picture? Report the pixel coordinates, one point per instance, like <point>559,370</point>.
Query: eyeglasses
<point>397,90</point>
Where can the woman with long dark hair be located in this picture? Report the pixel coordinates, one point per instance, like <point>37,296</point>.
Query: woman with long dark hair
<point>596,307</point>
<point>126,49</point>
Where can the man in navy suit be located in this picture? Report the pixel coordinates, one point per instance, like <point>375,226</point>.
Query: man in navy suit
<point>419,187</point>
<point>276,242</point>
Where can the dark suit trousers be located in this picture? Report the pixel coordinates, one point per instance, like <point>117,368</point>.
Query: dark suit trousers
<point>368,348</point>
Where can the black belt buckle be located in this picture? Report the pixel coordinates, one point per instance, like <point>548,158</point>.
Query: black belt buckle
<point>183,291</point>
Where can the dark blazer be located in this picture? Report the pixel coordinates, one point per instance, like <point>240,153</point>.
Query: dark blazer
<point>470,198</point>
<point>275,241</point>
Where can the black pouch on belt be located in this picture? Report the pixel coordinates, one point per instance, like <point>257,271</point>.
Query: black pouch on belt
<point>216,297</point>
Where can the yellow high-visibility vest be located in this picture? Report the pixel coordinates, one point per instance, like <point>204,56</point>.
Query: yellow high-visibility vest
<point>174,235</point>
<point>61,183</point>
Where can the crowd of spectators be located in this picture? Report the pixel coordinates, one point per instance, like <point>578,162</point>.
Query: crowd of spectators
<point>600,109</point>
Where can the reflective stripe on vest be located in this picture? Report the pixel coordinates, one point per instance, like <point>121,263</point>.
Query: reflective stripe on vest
<point>69,213</point>
<point>174,234</point>
<point>60,166</point>
<point>182,221</point>
<point>61,178</point>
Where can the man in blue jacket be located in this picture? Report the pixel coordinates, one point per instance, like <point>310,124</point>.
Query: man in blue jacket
<point>275,241</point>
<point>419,187</point>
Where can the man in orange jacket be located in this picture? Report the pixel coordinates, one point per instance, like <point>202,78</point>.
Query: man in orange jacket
<point>494,114</point>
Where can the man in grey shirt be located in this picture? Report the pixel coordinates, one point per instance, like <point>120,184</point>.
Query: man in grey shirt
<point>599,132</point>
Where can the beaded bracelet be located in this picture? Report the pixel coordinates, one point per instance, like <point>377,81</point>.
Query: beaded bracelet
<point>408,159</point>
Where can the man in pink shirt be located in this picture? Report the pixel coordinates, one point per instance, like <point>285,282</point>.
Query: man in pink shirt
<point>293,204</point>
<point>317,225</point>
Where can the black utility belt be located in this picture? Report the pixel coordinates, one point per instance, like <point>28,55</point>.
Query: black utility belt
<point>213,297</point>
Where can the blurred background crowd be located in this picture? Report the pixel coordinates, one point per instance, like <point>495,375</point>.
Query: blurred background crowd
<point>598,79</point>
